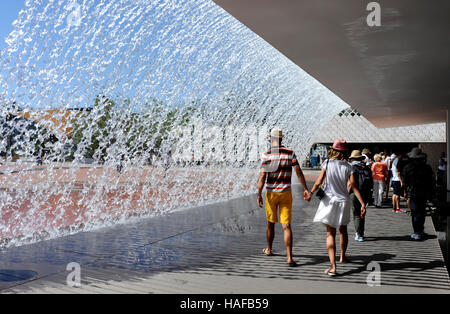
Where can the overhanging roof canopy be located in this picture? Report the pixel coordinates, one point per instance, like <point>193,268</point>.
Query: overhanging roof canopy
<point>395,74</point>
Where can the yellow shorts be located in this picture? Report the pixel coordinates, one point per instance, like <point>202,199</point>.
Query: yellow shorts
<point>281,201</point>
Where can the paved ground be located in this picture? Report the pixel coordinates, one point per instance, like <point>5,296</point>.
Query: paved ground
<point>217,249</point>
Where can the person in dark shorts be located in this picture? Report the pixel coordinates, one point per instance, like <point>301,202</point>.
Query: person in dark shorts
<point>418,181</point>
<point>397,186</point>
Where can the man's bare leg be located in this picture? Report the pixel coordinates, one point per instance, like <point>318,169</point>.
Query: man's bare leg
<point>270,232</point>
<point>288,242</point>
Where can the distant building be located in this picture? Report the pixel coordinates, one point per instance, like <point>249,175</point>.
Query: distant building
<point>57,121</point>
<point>23,126</point>
<point>361,133</point>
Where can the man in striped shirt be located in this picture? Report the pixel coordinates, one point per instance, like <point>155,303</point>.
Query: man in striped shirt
<point>276,174</point>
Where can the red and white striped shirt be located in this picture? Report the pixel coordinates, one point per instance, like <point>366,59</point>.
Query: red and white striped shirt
<point>278,163</point>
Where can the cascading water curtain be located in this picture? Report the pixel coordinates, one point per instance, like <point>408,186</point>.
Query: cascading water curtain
<point>112,109</point>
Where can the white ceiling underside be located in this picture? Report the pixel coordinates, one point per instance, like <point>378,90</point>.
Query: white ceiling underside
<point>396,74</point>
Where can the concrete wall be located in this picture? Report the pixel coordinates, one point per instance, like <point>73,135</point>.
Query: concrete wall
<point>433,150</point>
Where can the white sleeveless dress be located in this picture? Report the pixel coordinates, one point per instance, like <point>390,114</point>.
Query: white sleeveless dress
<point>334,208</point>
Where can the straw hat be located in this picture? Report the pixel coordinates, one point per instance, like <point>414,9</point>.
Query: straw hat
<point>366,151</point>
<point>340,145</point>
<point>276,132</point>
<point>356,154</point>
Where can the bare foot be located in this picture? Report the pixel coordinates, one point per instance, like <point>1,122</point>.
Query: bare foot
<point>330,271</point>
<point>343,260</point>
<point>292,263</point>
<point>268,252</point>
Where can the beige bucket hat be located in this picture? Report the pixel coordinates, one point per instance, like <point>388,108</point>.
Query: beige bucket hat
<point>276,132</point>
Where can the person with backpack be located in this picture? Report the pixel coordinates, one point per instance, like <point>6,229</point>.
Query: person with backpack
<point>363,179</point>
<point>403,161</point>
<point>418,181</point>
<point>367,154</point>
<point>380,174</point>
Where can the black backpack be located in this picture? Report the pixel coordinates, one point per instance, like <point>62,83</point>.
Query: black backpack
<point>364,179</point>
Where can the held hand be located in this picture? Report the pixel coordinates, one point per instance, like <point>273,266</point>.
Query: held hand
<point>307,195</point>
<point>260,201</point>
<point>363,211</point>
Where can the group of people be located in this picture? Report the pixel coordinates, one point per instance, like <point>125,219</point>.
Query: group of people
<point>346,185</point>
<point>410,177</point>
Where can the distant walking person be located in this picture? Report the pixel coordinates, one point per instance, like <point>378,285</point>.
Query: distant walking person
<point>167,160</point>
<point>120,163</point>
<point>364,182</point>
<point>367,157</point>
<point>442,170</point>
<point>418,181</point>
<point>380,175</point>
<point>334,207</point>
<point>368,161</point>
<point>276,171</point>
<point>388,162</point>
<point>154,160</point>
<point>396,182</point>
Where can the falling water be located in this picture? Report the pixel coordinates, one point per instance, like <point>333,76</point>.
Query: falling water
<point>114,109</point>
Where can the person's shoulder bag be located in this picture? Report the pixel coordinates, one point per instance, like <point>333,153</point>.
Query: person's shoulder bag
<point>321,192</point>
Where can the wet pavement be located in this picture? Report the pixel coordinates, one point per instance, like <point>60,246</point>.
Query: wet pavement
<point>217,249</point>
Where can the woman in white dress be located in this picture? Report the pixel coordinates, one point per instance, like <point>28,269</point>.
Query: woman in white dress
<point>334,207</point>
